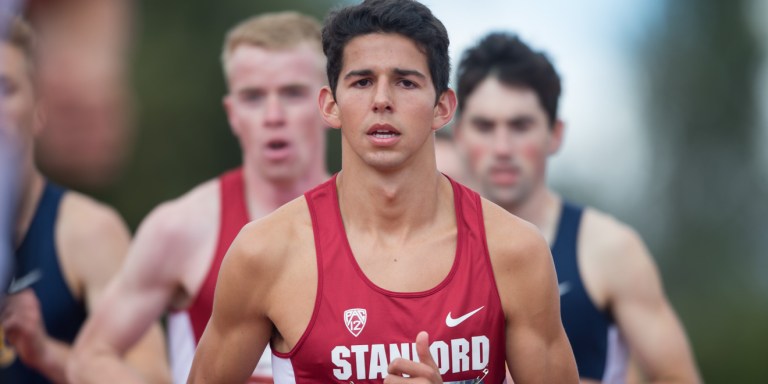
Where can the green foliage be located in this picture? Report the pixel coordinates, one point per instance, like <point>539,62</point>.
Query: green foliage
<point>702,61</point>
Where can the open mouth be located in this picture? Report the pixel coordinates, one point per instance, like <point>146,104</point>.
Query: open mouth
<point>384,134</point>
<point>277,144</point>
<point>383,131</point>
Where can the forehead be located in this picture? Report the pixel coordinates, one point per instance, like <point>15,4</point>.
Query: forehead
<point>383,51</point>
<point>493,99</point>
<point>266,67</point>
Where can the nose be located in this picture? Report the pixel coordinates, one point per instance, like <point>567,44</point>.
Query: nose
<point>502,143</point>
<point>382,99</point>
<point>274,115</point>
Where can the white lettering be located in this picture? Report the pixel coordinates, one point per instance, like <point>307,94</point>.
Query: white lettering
<point>337,355</point>
<point>459,355</point>
<point>481,352</point>
<point>378,362</point>
<point>370,362</point>
<point>403,351</point>
<point>359,351</point>
<point>440,353</point>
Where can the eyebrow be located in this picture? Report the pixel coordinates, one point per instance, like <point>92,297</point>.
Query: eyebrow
<point>524,119</point>
<point>397,71</point>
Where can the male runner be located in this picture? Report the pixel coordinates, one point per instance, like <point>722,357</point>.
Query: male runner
<point>67,246</point>
<point>389,247</point>
<point>274,70</point>
<point>611,296</point>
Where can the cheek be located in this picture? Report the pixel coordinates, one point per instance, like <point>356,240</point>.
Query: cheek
<point>534,154</point>
<point>479,156</point>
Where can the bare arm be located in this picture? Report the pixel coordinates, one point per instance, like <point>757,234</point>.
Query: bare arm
<point>91,240</point>
<point>537,347</point>
<point>239,329</point>
<point>127,314</point>
<point>646,319</point>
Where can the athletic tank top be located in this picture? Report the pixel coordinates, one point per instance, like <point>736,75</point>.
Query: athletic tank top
<point>357,328</point>
<point>63,314</point>
<point>185,327</point>
<point>600,352</point>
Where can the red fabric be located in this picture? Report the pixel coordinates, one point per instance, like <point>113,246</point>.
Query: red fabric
<point>360,348</point>
<point>234,215</point>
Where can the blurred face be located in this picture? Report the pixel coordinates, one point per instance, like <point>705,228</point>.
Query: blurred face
<point>385,102</point>
<point>17,104</point>
<point>507,137</point>
<point>272,109</point>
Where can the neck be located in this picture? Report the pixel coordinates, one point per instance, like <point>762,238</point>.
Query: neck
<point>30,193</point>
<point>541,209</point>
<point>263,196</point>
<point>397,202</point>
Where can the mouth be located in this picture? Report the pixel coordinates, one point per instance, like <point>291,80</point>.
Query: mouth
<point>277,150</point>
<point>504,175</point>
<point>277,144</point>
<point>383,131</point>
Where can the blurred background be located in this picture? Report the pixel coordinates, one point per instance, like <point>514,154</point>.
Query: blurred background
<point>666,106</point>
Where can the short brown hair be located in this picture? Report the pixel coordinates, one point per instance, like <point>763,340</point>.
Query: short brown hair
<point>281,30</point>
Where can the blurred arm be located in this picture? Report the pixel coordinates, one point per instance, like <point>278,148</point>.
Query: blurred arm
<point>646,319</point>
<point>127,313</point>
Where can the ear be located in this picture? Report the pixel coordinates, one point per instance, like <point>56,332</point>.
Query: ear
<point>229,108</point>
<point>40,119</point>
<point>444,110</point>
<point>556,136</point>
<point>329,108</point>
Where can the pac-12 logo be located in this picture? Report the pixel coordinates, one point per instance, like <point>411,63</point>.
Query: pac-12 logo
<point>355,320</point>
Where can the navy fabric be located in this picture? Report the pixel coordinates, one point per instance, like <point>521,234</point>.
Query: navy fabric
<point>586,326</point>
<point>63,314</point>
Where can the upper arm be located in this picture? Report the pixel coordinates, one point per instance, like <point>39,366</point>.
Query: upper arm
<point>239,329</point>
<point>646,319</point>
<point>95,241</point>
<point>537,347</point>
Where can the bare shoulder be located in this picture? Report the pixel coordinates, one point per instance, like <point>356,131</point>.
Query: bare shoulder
<point>613,257</point>
<point>91,241</point>
<point>270,246</point>
<point>512,241</point>
<point>186,219</point>
<point>608,247</point>
<point>84,221</point>
<point>273,237</point>
<point>605,236</point>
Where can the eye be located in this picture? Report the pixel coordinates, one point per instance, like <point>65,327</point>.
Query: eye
<point>362,83</point>
<point>484,127</point>
<point>252,96</point>
<point>295,92</point>
<point>408,84</point>
<point>522,126</point>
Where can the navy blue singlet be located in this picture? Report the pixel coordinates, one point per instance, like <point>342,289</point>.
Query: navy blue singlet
<point>599,351</point>
<point>63,314</point>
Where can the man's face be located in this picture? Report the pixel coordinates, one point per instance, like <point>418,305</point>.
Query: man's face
<point>385,102</point>
<point>17,103</point>
<point>506,136</point>
<point>272,109</point>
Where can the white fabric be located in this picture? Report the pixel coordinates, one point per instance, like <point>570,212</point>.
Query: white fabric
<point>617,358</point>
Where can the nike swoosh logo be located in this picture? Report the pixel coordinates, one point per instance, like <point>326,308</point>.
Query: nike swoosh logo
<point>25,281</point>
<point>564,287</point>
<point>451,322</point>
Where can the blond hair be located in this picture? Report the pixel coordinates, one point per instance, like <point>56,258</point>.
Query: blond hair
<point>282,30</point>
